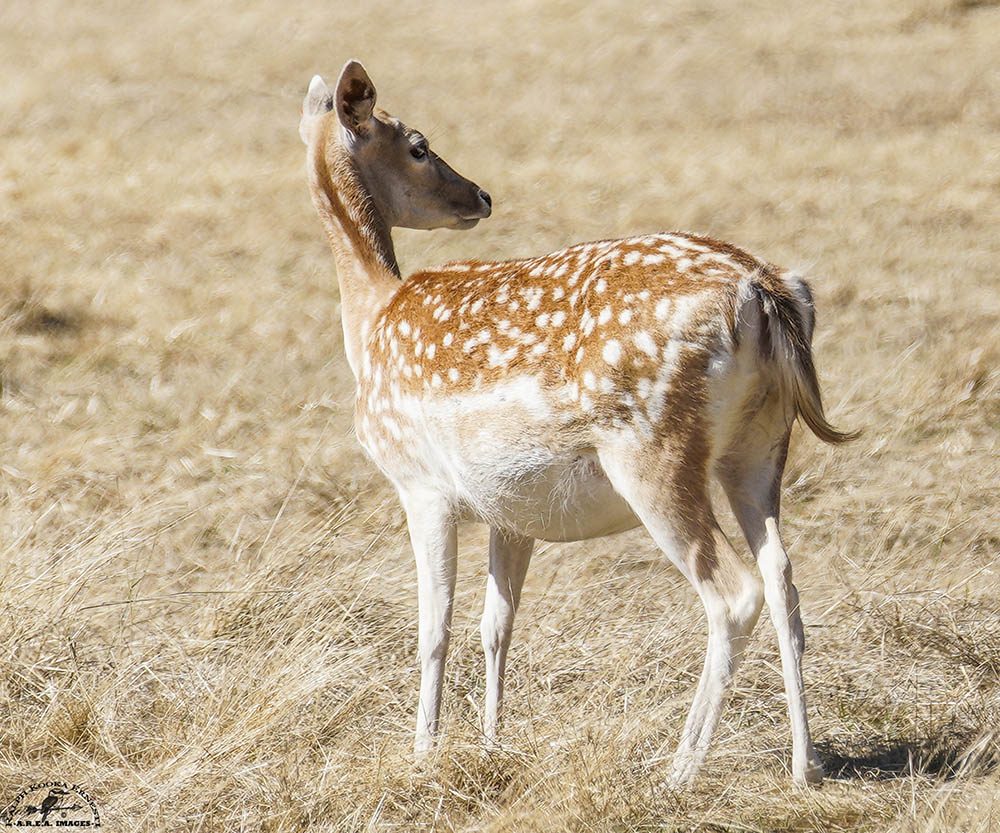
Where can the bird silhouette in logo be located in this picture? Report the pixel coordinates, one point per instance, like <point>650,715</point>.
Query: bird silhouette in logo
<point>50,804</point>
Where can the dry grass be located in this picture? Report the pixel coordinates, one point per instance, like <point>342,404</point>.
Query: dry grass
<point>207,602</point>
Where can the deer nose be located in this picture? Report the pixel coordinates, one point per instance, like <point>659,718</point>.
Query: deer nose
<point>486,198</point>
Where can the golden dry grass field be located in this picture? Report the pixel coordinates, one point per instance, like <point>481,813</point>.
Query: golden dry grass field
<point>207,599</point>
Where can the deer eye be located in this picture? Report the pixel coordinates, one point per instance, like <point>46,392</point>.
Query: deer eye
<point>418,151</point>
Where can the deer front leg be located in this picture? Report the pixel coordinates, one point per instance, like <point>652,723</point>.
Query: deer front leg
<point>435,546</point>
<point>509,557</point>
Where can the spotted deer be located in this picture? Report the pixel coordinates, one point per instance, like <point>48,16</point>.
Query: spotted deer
<point>565,397</point>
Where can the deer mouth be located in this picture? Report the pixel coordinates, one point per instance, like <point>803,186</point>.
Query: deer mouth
<point>483,209</point>
<point>468,218</point>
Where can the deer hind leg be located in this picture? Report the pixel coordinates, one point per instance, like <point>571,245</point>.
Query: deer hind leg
<point>435,547</point>
<point>509,557</point>
<point>671,499</point>
<point>752,482</point>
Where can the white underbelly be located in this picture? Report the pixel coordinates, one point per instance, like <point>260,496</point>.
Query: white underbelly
<point>509,456</point>
<point>564,499</point>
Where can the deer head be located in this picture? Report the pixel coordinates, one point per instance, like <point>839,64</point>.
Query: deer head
<point>409,184</point>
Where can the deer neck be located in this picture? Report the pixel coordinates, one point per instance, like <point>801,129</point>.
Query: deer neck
<point>360,238</point>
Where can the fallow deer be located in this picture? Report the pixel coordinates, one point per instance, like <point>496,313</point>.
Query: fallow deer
<point>565,397</point>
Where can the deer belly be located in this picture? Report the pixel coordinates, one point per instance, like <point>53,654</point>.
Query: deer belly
<point>561,499</point>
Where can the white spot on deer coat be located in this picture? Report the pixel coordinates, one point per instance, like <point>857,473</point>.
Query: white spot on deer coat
<point>393,427</point>
<point>644,341</point>
<point>501,358</point>
<point>533,296</point>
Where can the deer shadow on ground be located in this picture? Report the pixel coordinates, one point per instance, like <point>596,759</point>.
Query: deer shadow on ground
<point>944,757</point>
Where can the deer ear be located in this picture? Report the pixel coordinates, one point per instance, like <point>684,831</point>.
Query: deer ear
<point>355,98</point>
<point>318,99</point>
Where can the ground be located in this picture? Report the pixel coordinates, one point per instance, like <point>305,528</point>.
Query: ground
<point>207,600</point>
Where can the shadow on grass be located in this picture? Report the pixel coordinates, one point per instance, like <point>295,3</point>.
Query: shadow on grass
<point>938,757</point>
<point>33,318</point>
